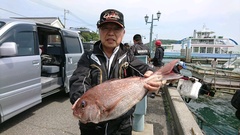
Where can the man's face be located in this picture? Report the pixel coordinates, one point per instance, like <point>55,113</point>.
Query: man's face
<point>111,34</point>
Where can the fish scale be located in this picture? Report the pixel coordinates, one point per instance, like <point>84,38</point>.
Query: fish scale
<point>135,92</point>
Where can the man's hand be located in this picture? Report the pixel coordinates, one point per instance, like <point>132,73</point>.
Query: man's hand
<point>155,83</point>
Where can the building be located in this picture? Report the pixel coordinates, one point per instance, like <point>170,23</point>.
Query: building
<point>53,21</point>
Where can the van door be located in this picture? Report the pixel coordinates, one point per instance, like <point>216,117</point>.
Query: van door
<point>73,52</point>
<point>20,82</point>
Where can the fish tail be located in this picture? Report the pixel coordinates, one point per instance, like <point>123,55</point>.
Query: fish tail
<point>166,69</point>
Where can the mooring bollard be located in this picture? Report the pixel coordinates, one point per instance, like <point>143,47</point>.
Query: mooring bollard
<point>141,107</point>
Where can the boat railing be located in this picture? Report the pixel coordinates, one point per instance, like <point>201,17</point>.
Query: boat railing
<point>217,78</point>
<point>231,62</point>
<point>222,79</point>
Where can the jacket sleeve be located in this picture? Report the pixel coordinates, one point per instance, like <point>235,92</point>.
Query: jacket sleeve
<point>80,81</point>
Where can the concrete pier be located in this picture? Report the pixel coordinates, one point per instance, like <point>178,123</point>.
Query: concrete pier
<point>168,114</point>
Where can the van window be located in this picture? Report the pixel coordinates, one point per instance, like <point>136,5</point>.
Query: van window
<point>73,45</point>
<point>25,43</point>
<point>54,39</point>
<point>23,36</point>
<point>54,45</point>
<point>24,40</point>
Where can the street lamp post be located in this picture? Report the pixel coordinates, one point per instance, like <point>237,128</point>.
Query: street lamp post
<point>151,28</point>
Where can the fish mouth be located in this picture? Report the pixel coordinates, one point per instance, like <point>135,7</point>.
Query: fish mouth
<point>88,120</point>
<point>94,117</point>
<point>84,121</point>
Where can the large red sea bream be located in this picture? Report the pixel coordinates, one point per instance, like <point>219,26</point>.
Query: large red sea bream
<point>113,98</point>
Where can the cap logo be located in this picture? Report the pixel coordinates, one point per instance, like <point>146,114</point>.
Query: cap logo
<point>112,15</point>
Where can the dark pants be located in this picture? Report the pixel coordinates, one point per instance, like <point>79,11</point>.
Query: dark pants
<point>120,126</point>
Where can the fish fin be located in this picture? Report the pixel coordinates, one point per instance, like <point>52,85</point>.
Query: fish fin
<point>101,106</point>
<point>171,76</point>
<point>107,110</point>
<point>166,69</point>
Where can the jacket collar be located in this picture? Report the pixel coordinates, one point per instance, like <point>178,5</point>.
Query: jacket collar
<point>97,49</point>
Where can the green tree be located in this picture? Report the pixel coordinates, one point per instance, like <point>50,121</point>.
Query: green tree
<point>88,35</point>
<point>95,36</point>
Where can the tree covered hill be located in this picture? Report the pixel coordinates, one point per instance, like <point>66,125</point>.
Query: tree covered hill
<point>168,41</point>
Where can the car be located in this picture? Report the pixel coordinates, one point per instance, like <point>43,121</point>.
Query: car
<point>88,46</point>
<point>36,61</point>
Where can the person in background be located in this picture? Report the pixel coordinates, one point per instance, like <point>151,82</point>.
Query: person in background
<point>106,61</point>
<point>179,66</point>
<point>214,63</point>
<point>159,54</point>
<point>126,45</point>
<point>139,48</point>
<point>176,69</point>
<point>157,62</point>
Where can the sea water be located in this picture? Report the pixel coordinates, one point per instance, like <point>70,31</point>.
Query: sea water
<point>216,115</point>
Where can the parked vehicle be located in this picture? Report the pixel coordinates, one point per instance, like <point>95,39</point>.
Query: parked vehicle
<point>36,60</point>
<point>88,46</point>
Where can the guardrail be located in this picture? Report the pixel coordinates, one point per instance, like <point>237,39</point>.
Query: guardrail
<point>222,79</point>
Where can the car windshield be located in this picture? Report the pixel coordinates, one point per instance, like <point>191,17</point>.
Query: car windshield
<point>1,24</point>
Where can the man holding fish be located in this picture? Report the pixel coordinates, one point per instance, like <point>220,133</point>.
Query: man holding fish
<point>104,88</point>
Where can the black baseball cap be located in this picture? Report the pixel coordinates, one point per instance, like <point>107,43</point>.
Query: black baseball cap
<point>111,15</point>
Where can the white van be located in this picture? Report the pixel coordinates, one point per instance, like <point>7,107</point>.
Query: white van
<point>36,60</point>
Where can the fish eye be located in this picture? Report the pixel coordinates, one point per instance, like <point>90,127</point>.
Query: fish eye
<point>83,104</point>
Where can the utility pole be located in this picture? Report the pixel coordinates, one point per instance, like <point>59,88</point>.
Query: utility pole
<point>65,12</point>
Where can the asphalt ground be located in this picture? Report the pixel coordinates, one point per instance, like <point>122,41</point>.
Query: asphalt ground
<point>158,114</point>
<point>51,117</point>
<point>54,117</point>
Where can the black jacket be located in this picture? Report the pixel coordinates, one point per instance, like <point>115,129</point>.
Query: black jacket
<point>140,49</point>
<point>176,69</point>
<point>92,71</point>
<point>158,57</point>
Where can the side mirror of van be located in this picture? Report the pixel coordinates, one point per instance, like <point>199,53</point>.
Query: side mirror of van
<point>8,49</point>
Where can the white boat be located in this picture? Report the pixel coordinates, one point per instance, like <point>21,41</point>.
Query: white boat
<point>204,42</point>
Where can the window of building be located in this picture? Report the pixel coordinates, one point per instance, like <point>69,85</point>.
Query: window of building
<point>209,50</point>
<point>217,50</point>
<point>195,49</point>
<point>202,49</point>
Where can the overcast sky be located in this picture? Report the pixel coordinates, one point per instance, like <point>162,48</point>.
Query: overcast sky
<point>178,17</point>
